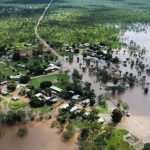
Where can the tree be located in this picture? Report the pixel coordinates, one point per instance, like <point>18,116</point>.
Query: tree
<point>2,117</point>
<point>146,90</point>
<point>16,56</point>
<point>22,132</point>
<point>35,102</point>
<point>116,115</point>
<point>92,102</point>
<point>146,146</point>
<point>10,118</point>
<point>20,115</point>
<point>84,133</point>
<point>45,84</point>
<point>70,130</point>
<point>11,86</point>
<point>115,60</point>
<point>24,79</point>
<point>88,145</point>
<point>76,74</point>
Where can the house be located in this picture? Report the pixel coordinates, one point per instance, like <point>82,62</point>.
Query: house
<point>73,109</point>
<point>86,44</point>
<point>14,98</point>
<point>3,82</point>
<point>56,89</point>
<point>85,102</point>
<point>54,99</point>
<point>16,77</point>
<point>64,106</point>
<point>21,65</point>
<point>52,67</point>
<point>38,95</point>
<point>86,113</point>
<point>4,92</point>
<point>101,120</point>
<point>46,98</point>
<point>75,97</point>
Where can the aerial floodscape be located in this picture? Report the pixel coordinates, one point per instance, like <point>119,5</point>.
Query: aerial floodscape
<point>74,74</point>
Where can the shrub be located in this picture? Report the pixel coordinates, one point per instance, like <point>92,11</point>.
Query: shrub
<point>116,115</point>
<point>22,132</point>
<point>11,86</point>
<point>24,79</point>
<point>45,84</point>
<point>146,146</point>
<point>35,102</point>
<point>70,130</point>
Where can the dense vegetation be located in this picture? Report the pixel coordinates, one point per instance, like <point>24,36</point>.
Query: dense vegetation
<point>68,21</point>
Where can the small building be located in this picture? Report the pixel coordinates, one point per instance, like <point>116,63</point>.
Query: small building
<point>54,99</point>
<point>52,67</point>
<point>75,97</point>
<point>21,65</point>
<point>14,98</point>
<point>38,95</point>
<point>73,109</point>
<point>64,106</point>
<point>4,92</point>
<point>85,102</point>
<point>46,98</point>
<point>16,77</point>
<point>86,113</point>
<point>3,82</point>
<point>86,44</point>
<point>101,120</point>
<point>56,89</point>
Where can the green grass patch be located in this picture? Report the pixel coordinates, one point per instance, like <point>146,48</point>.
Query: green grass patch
<point>102,109</point>
<point>15,105</point>
<point>42,110</point>
<point>58,79</point>
<point>116,141</point>
<point>5,71</point>
<point>79,123</point>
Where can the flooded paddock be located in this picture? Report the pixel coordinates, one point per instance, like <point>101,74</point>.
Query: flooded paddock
<point>139,103</point>
<point>40,137</point>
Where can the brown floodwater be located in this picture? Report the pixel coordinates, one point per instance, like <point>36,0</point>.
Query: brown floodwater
<point>40,137</point>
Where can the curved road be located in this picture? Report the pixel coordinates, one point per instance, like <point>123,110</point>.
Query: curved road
<point>45,44</point>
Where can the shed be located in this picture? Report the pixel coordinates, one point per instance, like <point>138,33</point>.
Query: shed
<point>73,109</point>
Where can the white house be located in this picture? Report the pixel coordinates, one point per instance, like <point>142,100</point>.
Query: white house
<point>75,97</point>
<point>38,94</point>
<point>14,98</point>
<point>52,67</point>
<point>101,120</point>
<point>87,101</point>
<point>86,113</point>
<point>16,77</point>
<point>56,89</point>
<point>64,106</point>
<point>73,109</point>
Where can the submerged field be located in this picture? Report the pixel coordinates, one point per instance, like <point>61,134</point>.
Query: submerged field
<point>68,21</point>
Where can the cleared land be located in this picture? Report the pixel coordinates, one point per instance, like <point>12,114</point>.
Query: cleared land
<point>55,78</point>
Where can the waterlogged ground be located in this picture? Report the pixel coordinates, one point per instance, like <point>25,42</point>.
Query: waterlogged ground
<point>40,137</point>
<point>139,122</point>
